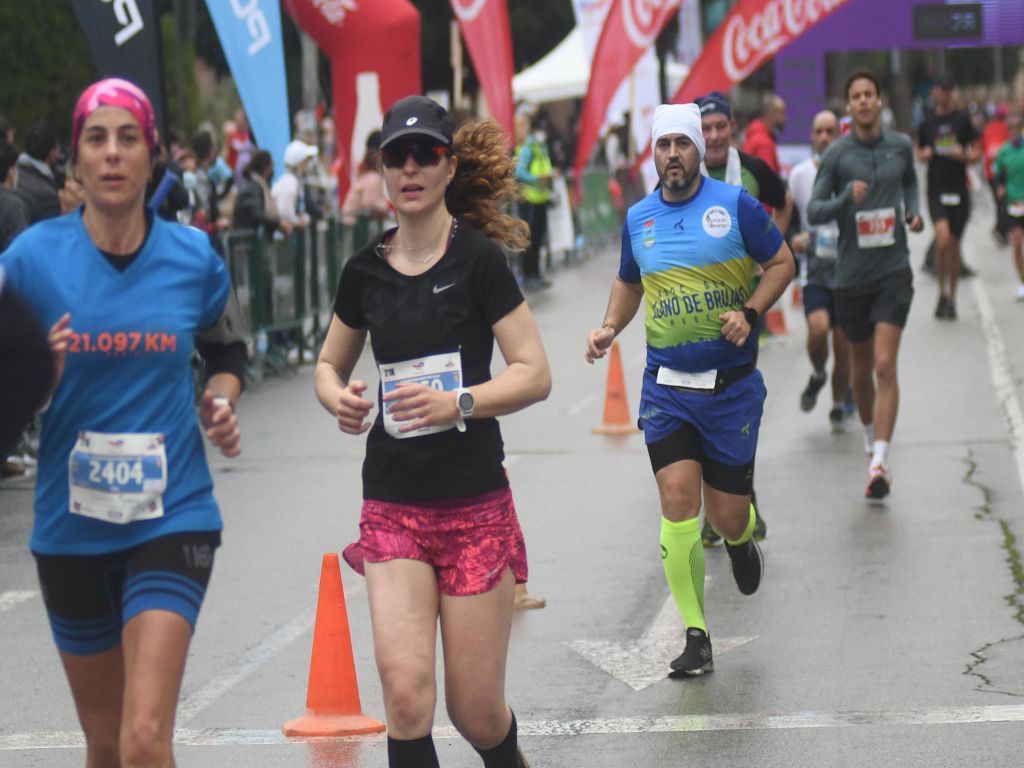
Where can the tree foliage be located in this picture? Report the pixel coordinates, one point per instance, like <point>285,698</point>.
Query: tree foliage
<point>46,63</point>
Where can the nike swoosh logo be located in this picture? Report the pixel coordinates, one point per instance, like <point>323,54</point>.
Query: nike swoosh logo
<point>440,288</point>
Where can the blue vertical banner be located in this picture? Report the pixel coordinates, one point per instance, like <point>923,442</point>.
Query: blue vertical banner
<point>250,34</point>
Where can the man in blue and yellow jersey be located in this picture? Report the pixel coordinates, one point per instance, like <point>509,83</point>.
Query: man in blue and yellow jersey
<point>689,252</point>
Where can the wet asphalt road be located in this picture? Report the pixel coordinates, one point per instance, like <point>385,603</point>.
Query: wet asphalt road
<point>883,634</point>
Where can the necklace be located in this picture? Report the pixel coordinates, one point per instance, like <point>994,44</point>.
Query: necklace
<point>384,250</point>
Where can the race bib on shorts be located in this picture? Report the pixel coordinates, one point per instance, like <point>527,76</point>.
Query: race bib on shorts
<point>949,199</point>
<point>826,241</point>
<point>442,372</point>
<point>118,478</point>
<point>1016,209</point>
<point>877,228</point>
<point>702,380</point>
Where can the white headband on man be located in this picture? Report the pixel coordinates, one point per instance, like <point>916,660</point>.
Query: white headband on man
<point>678,118</point>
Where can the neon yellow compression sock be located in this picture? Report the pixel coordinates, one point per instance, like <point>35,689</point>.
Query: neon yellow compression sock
<point>748,531</point>
<point>682,555</point>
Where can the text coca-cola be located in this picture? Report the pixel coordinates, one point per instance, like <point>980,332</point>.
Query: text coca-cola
<point>747,43</point>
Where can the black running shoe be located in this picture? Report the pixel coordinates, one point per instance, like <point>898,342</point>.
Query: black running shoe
<point>747,565</point>
<point>709,537</point>
<point>837,417</point>
<point>696,659</point>
<point>945,309</point>
<point>809,397</point>
<point>760,526</point>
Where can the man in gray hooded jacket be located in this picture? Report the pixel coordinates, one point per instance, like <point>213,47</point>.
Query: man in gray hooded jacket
<point>867,183</point>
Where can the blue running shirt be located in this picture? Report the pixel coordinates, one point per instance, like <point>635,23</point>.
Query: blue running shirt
<point>696,260</point>
<point>128,369</point>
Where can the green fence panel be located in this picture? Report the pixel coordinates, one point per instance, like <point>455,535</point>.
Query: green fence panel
<point>598,220</point>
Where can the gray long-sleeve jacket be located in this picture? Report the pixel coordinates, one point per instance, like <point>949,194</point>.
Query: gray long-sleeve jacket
<point>887,165</point>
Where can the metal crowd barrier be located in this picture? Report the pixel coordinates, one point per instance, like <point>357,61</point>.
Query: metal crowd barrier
<point>286,284</point>
<point>286,287</point>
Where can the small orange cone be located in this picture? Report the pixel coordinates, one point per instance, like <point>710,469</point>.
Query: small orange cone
<point>797,296</point>
<point>616,409</point>
<point>332,698</point>
<point>775,321</point>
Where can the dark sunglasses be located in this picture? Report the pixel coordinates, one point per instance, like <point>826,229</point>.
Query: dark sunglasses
<point>423,151</point>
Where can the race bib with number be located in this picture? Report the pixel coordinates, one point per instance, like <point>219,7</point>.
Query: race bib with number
<point>826,241</point>
<point>703,380</point>
<point>118,478</point>
<point>1016,209</point>
<point>877,228</point>
<point>442,372</point>
<point>949,199</point>
<point>946,145</point>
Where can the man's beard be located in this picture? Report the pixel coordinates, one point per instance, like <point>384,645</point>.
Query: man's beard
<point>677,185</point>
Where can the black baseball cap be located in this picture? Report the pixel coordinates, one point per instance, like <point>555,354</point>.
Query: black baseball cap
<point>714,102</point>
<point>417,116</point>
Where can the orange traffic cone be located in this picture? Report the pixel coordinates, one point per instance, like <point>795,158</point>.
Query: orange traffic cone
<point>796,296</point>
<point>775,321</point>
<point>616,409</point>
<point>332,698</point>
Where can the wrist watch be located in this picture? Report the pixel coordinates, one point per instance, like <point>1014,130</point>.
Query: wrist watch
<point>751,316</point>
<point>465,402</point>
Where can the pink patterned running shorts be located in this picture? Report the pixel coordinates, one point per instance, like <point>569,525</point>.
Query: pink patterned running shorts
<point>469,542</point>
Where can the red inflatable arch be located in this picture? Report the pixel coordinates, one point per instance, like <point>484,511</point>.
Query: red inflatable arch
<point>374,48</point>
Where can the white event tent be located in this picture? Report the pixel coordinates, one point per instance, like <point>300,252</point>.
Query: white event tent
<point>564,73</point>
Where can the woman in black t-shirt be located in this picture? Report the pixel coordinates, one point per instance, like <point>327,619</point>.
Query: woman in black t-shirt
<point>439,538</point>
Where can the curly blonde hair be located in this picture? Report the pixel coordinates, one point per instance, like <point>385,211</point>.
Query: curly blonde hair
<point>485,182</point>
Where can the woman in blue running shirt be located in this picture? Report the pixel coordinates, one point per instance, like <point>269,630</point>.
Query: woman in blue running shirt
<point>125,520</point>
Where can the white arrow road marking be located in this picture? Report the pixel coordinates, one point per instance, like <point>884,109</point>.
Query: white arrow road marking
<point>644,662</point>
<point>15,598</point>
<point>220,737</point>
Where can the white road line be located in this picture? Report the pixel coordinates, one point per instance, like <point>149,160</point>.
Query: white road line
<point>220,737</point>
<point>195,702</point>
<point>581,405</point>
<point>15,598</point>
<point>644,662</point>
<point>1002,377</point>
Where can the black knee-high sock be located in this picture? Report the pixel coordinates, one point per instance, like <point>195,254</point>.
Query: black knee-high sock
<point>412,753</point>
<point>503,755</point>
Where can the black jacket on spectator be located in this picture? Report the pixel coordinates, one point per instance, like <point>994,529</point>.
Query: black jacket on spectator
<point>251,208</point>
<point>13,217</point>
<point>37,190</point>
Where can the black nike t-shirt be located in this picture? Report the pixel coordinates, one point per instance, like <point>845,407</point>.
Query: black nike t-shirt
<point>451,306</point>
<point>942,133</point>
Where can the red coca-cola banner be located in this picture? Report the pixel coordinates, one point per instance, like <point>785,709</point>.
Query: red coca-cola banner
<point>488,35</point>
<point>749,36</point>
<point>374,48</point>
<point>629,29</point>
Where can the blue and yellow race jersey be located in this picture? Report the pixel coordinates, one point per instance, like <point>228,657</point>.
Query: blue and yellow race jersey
<point>696,260</point>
